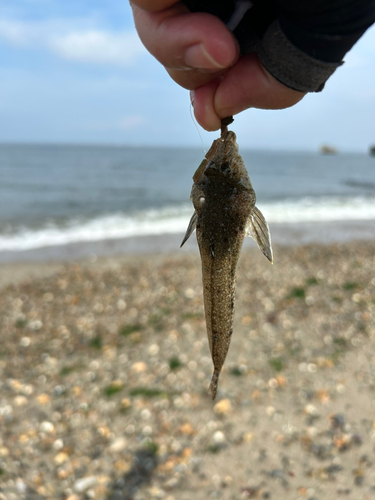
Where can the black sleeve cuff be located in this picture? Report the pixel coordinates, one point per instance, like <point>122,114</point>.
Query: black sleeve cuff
<point>291,66</point>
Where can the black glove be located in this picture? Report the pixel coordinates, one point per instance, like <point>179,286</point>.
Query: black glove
<point>300,43</point>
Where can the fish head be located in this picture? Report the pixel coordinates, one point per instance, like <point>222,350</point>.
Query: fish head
<point>221,171</point>
<point>224,163</point>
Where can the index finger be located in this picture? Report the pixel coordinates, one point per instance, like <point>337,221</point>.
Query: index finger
<point>153,5</point>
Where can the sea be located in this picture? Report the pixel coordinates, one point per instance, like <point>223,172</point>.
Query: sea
<point>54,195</point>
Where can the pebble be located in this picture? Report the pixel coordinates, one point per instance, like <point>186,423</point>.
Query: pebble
<point>146,414</point>
<point>338,421</point>
<point>85,483</point>
<point>61,457</point>
<point>218,437</point>
<point>25,341</point>
<point>21,486</point>
<point>47,427</point>
<point>121,305</point>
<point>43,399</point>
<point>20,401</point>
<point>223,407</point>
<point>187,429</point>
<point>270,410</point>
<point>310,409</point>
<point>35,325</point>
<point>58,444</point>
<point>153,349</point>
<point>118,445</point>
<point>4,452</point>
<point>189,293</point>
<point>126,403</point>
<point>139,367</point>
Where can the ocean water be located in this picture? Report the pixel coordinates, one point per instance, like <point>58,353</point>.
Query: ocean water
<point>59,194</point>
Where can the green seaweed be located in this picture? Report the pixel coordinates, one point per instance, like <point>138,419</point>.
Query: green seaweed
<point>20,323</point>
<point>214,448</point>
<point>297,293</point>
<point>112,389</point>
<point>277,364</point>
<point>152,447</point>
<point>337,299</point>
<point>340,342</point>
<point>129,329</point>
<point>236,372</point>
<point>174,363</point>
<point>312,281</point>
<point>67,370</point>
<point>96,342</point>
<point>147,392</point>
<point>350,285</point>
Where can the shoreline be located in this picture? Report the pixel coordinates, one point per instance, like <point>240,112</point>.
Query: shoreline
<point>284,234</point>
<point>19,266</point>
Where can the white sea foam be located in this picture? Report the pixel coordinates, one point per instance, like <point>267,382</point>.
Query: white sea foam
<point>175,220</point>
<point>320,209</point>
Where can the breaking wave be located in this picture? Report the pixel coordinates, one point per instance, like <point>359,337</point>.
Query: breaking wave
<point>175,220</point>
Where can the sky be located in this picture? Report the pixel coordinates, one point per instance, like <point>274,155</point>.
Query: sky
<point>74,71</point>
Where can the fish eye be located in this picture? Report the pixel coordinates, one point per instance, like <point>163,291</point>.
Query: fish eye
<point>225,167</point>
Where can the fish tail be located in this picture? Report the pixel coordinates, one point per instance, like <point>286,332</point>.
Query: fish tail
<point>214,382</point>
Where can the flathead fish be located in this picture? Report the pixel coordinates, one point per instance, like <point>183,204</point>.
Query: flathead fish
<point>225,212</point>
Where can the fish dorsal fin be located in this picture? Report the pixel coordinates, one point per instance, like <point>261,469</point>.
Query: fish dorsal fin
<point>257,228</point>
<point>192,225</point>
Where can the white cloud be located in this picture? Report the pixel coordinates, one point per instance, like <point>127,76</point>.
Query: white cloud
<point>74,40</point>
<point>98,47</point>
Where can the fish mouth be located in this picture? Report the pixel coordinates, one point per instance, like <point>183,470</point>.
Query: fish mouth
<point>231,137</point>
<point>225,148</point>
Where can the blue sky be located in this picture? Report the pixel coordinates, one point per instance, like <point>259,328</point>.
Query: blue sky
<point>75,71</point>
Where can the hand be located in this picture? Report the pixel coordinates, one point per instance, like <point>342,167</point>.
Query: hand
<point>202,55</point>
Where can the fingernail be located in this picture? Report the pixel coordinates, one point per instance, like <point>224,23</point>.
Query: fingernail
<point>197,57</point>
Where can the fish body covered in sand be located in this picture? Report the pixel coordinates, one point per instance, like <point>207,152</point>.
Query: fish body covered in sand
<point>225,212</point>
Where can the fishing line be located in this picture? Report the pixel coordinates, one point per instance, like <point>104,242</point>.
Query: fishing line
<point>196,126</point>
<point>240,9</point>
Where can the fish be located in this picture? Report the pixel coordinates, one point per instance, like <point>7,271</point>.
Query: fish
<point>224,214</point>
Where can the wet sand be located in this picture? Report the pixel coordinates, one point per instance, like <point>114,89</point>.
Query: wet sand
<point>104,373</point>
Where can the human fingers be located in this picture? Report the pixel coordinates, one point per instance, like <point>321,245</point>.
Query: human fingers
<point>194,47</point>
<point>246,85</point>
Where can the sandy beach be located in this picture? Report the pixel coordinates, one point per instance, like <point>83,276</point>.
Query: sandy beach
<point>105,366</point>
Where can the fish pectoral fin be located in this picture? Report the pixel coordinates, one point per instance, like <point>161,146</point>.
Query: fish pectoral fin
<point>192,225</point>
<point>257,228</point>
